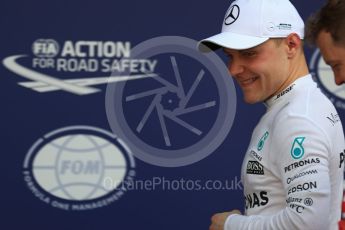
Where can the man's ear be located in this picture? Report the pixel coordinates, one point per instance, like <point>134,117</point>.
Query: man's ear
<point>293,43</point>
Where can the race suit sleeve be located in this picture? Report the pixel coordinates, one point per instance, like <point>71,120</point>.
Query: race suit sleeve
<point>299,154</point>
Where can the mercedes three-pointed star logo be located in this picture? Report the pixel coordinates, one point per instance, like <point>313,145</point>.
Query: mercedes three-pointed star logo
<point>232,15</point>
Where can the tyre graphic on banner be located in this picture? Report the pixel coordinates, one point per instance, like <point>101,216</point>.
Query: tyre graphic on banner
<point>182,114</point>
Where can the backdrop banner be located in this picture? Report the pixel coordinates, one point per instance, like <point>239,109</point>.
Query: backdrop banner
<point>112,119</point>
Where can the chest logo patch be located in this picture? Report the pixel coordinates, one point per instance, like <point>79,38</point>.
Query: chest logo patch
<point>254,167</point>
<point>262,141</point>
<point>297,150</point>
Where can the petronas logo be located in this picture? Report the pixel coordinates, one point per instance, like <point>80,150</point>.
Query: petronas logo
<point>297,150</point>
<point>262,141</point>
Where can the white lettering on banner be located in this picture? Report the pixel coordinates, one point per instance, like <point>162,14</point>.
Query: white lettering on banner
<point>95,65</point>
<point>45,48</point>
<point>110,60</point>
<point>98,49</point>
<point>34,189</point>
<point>132,66</point>
<point>43,63</point>
<point>75,65</point>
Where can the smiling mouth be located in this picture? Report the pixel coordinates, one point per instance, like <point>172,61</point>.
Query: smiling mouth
<point>248,82</point>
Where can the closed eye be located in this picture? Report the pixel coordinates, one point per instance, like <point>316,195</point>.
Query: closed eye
<point>249,53</point>
<point>335,67</point>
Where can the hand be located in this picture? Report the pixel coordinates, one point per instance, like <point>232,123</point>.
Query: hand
<point>218,219</point>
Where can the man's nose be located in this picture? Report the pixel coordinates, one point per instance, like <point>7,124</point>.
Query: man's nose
<point>339,79</point>
<point>235,67</point>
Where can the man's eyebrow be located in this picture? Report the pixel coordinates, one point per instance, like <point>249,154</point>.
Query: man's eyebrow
<point>247,50</point>
<point>225,51</point>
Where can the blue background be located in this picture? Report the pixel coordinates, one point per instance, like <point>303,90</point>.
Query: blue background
<point>27,115</point>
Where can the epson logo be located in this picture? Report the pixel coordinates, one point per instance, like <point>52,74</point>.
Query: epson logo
<point>285,91</point>
<point>254,167</point>
<point>303,187</point>
<point>302,163</point>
